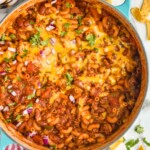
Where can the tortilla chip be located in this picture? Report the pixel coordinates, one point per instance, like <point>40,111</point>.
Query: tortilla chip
<point>148,29</point>
<point>145,9</point>
<point>137,14</point>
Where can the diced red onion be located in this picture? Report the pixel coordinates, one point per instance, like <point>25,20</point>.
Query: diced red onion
<point>42,53</point>
<point>37,100</point>
<point>2,42</point>
<point>48,62</point>
<point>1,107</point>
<point>53,41</point>
<point>50,27</point>
<point>29,110</point>
<point>18,124</point>
<point>46,140</point>
<point>13,93</point>
<point>12,49</point>
<point>73,41</point>
<point>9,86</point>
<point>2,73</point>
<point>1,53</point>
<point>32,134</point>
<point>72,99</point>
<point>26,63</point>
<point>6,108</point>
<point>39,85</point>
<point>53,51</point>
<point>14,62</point>
<point>34,91</point>
<point>53,2</point>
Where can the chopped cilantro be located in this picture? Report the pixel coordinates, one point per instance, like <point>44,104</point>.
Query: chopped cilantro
<point>31,22</point>
<point>48,127</point>
<point>12,104</point>
<point>66,25</point>
<point>18,78</point>
<point>79,20</point>
<point>91,39</point>
<point>63,33</point>
<point>44,43</point>
<point>146,142</point>
<point>96,49</point>
<point>8,120</point>
<point>3,37</point>
<point>25,52</point>
<point>69,78</point>
<point>68,5</point>
<point>6,78</point>
<point>10,90</point>
<point>35,39</point>
<point>12,36</point>
<point>7,69</point>
<point>18,117</point>
<point>7,60</point>
<point>71,16</point>
<point>29,105</point>
<point>53,147</point>
<point>131,143</point>
<point>139,129</point>
<point>30,96</point>
<point>79,31</point>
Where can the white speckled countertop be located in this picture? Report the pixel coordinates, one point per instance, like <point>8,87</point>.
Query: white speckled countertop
<point>144,117</point>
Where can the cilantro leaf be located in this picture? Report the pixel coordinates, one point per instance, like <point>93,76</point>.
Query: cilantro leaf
<point>131,143</point>
<point>29,105</point>
<point>18,117</point>
<point>68,5</point>
<point>91,39</point>
<point>79,20</point>
<point>12,36</point>
<point>18,78</point>
<point>139,129</point>
<point>44,43</point>
<point>146,142</point>
<point>69,78</point>
<point>30,96</point>
<point>31,22</point>
<point>66,25</point>
<point>7,69</point>
<point>63,33</point>
<point>96,49</point>
<point>12,104</point>
<point>3,37</point>
<point>35,39</point>
<point>79,31</point>
<point>25,52</point>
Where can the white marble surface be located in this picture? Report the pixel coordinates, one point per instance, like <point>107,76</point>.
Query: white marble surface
<point>144,117</point>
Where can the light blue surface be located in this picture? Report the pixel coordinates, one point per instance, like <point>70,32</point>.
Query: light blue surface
<point>4,139</point>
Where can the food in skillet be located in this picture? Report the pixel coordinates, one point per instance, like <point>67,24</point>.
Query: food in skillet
<point>70,74</point>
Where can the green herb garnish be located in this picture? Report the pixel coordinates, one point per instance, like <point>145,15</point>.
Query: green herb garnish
<point>44,43</point>
<point>71,16</point>
<point>68,5</point>
<point>96,49</point>
<point>3,37</point>
<point>35,39</point>
<point>10,90</point>
<point>63,33</point>
<point>9,120</point>
<point>66,25</point>
<point>30,96</point>
<point>53,147</point>
<point>25,52</point>
<point>29,105</point>
<point>79,31</point>
<point>139,129</point>
<point>12,36</point>
<point>18,117</point>
<point>69,78</point>
<point>18,78</point>
<point>131,143</point>
<point>6,78</point>
<point>91,39</point>
<point>79,20</point>
<point>146,142</point>
<point>7,60</point>
<point>31,22</point>
<point>7,69</point>
<point>12,104</point>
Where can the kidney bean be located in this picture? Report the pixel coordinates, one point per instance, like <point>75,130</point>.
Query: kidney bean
<point>38,139</point>
<point>20,21</point>
<point>42,9</point>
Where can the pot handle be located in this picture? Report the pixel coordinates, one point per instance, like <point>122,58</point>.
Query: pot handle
<point>125,8</point>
